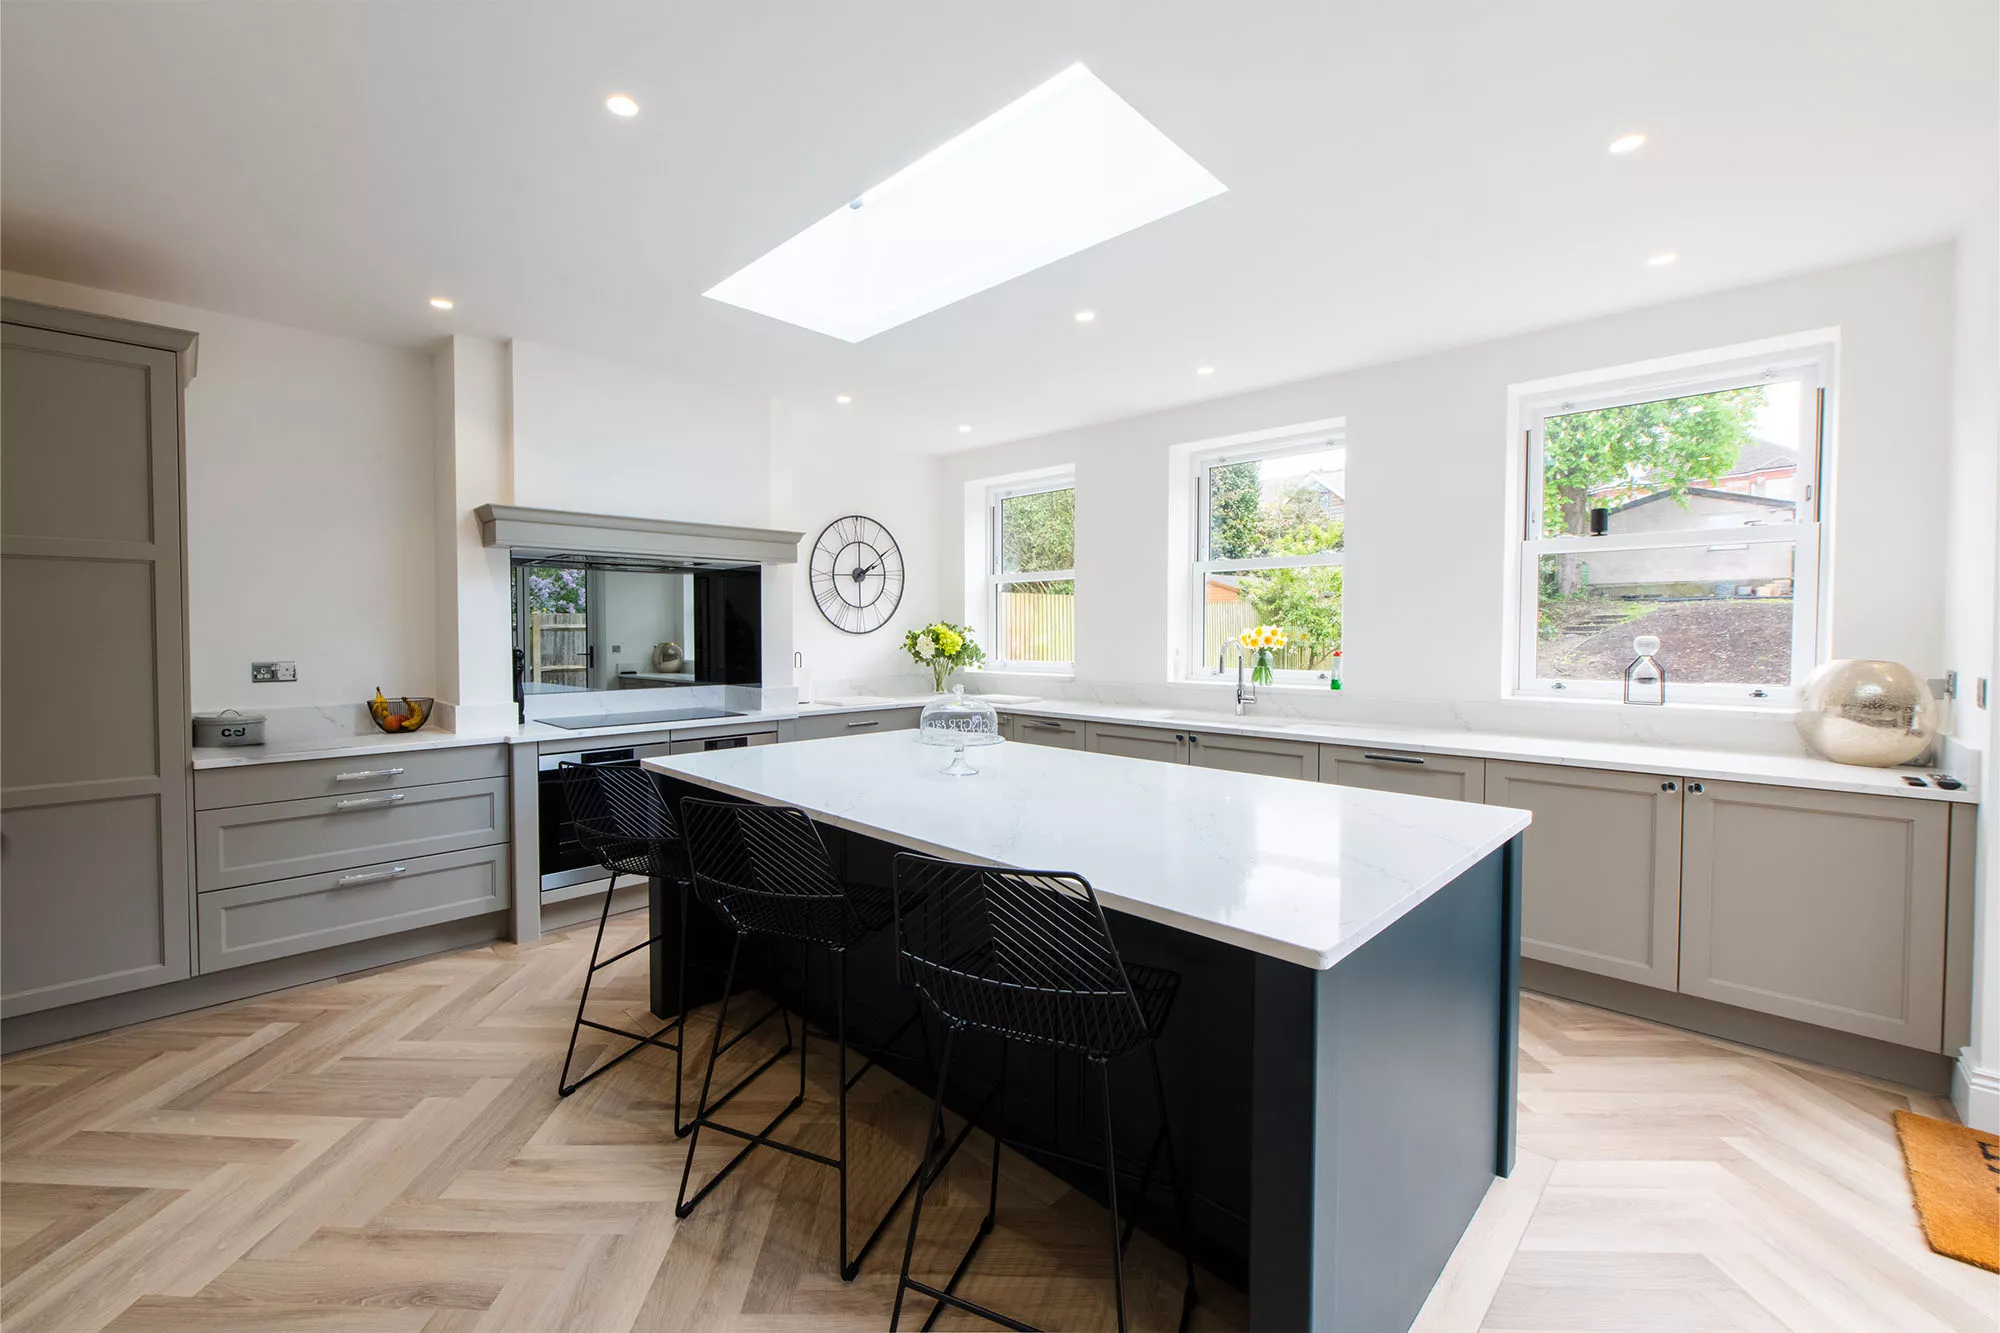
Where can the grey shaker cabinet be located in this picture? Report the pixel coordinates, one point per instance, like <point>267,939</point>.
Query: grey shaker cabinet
<point>1601,872</point>
<point>818,726</point>
<point>93,708</point>
<point>1254,754</point>
<point>249,844</point>
<point>1167,747</point>
<point>1061,733</point>
<point>1828,907</point>
<point>1448,777</point>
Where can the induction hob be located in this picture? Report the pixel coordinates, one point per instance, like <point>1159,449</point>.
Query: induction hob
<point>587,721</point>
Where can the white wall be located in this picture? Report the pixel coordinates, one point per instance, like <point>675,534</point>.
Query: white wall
<point>1972,626</point>
<point>602,437</point>
<point>1430,464</point>
<point>820,475</point>
<point>309,497</point>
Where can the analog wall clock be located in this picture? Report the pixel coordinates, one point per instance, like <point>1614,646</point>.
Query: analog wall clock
<point>856,574</point>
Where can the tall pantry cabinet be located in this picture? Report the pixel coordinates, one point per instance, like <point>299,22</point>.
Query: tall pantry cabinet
<point>94,878</point>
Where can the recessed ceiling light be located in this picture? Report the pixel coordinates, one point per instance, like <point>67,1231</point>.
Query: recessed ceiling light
<point>1625,143</point>
<point>618,104</point>
<point>1085,316</point>
<point>842,398</point>
<point>965,430</point>
<point>1204,370</point>
<point>1056,171</point>
<point>1661,260</point>
<point>440,303</point>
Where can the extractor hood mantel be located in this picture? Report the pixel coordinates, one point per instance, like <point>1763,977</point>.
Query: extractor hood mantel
<point>552,532</point>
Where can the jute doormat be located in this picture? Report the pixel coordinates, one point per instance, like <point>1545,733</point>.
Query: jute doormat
<point>1955,1175</point>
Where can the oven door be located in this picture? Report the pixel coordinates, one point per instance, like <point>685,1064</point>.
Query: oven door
<point>563,860</point>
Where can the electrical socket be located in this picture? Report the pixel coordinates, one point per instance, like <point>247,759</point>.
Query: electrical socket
<point>271,673</point>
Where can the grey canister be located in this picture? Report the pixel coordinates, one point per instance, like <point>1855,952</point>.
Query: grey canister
<point>229,727</point>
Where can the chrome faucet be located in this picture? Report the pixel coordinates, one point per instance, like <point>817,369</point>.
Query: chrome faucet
<point>1246,690</point>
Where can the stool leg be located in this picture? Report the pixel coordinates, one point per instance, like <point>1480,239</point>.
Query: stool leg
<point>1181,1208</point>
<point>933,1135</point>
<point>1111,1189</point>
<point>681,1017</point>
<point>847,1269</point>
<point>563,1086</point>
<point>681,1208</point>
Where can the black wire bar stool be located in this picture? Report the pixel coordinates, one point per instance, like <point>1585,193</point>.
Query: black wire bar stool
<point>623,820</point>
<point>1027,956</point>
<point>764,870</point>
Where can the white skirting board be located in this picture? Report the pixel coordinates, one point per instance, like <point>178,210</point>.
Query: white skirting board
<point>1975,1092</point>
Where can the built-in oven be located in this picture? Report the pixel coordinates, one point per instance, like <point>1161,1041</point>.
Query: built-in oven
<point>564,861</point>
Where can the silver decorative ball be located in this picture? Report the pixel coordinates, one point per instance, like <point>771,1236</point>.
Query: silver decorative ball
<point>1874,713</point>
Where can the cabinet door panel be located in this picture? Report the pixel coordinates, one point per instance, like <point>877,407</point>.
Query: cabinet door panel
<point>1447,777</point>
<point>1254,754</point>
<point>93,703</point>
<point>1826,907</point>
<point>1601,870</point>
<point>1167,747</point>
<point>1061,733</point>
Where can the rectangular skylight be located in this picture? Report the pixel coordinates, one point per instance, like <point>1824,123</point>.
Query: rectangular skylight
<point>1054,172</point>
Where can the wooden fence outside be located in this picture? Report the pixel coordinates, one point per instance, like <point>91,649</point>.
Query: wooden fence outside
<point>1040,627</point>
<point>557,647</point>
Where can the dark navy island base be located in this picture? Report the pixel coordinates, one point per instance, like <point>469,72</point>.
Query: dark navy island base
<point>1339,1127</point>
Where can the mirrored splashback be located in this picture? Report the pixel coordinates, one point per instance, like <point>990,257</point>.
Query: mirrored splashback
<point>596,627</point>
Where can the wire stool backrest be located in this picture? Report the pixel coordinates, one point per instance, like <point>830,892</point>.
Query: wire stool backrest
<point>1027,954</point>
<point>624,820</point>
<point>763,868</point>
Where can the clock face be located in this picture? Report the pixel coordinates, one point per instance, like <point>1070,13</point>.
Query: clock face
<point>857,574</point>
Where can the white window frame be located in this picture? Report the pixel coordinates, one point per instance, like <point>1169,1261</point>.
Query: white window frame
<point>1199,572</point>
<point>1812,364</point>
<point>997,580</point>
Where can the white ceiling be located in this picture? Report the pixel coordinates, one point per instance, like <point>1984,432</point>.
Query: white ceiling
<point>1400,177</point>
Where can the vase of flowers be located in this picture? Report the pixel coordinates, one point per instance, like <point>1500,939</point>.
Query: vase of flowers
<point>1264,640</point>
<point>944,648</point>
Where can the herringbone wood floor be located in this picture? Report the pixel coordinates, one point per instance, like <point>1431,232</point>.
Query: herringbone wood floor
<point>388,1153</point>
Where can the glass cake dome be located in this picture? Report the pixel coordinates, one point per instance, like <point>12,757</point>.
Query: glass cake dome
<point>960,721</point>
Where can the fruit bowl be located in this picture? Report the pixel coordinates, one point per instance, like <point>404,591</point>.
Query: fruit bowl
<point>398,715</point>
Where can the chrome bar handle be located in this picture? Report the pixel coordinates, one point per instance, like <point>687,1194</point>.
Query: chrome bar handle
<point>1392,758</point>
<point>367,774</point>
<point>869,722</point>
<point>370,876</point>
<point>369,802</point>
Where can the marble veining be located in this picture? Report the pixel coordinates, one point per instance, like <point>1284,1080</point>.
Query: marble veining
<point>1302,871</point>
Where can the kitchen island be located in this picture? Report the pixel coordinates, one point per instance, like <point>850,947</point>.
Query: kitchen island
<point>1341,1057</point>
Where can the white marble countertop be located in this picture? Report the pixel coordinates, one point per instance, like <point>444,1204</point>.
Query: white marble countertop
<point>1301,871</point>
<point>1800,770</point>
<point>528,733</point>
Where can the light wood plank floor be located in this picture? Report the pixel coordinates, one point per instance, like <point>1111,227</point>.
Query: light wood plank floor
<point>387,1153</point>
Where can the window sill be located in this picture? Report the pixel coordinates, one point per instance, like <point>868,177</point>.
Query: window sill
<point>1772,708</point>
<point>1038,673</point>
<point>1279,687</point>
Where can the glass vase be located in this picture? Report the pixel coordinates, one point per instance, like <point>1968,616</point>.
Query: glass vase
<point>1260,670</point>
<point>940,673</point>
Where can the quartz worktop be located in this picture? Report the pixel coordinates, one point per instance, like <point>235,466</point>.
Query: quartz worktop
<point>1301,871</point>
<point>527,733</point>
<point>1788,770</point>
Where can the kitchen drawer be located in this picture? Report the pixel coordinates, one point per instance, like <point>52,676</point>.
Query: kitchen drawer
<point>818,726</point>
<point>1167,747</point>
<point>1059,733</point>
<point>1254,754</point>
<point>262,921</point>
<point>733,741</point>
<point>1448,777</point>
<point>248,844</point>
<point>283,780</point>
